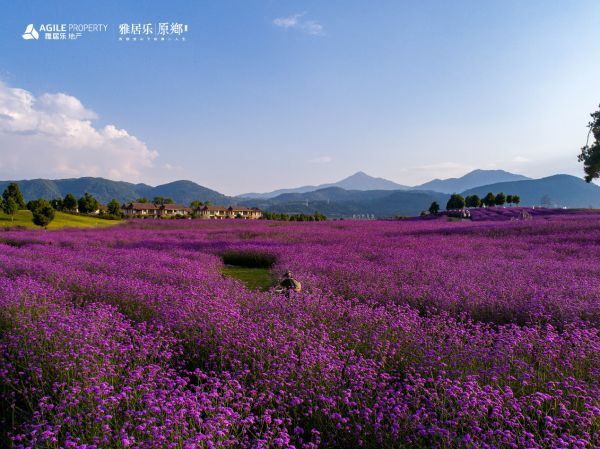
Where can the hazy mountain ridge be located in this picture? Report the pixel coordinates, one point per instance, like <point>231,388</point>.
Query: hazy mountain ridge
<point>471,180</point>
<point>358,181</point>
<point>552,191</point>
<point>361,181</point>
<point>334,201</point>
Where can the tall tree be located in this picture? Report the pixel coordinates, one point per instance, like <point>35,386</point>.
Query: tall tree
<point>509,199</point>
<point>13,191</point>
<point>434,208</point>
<point>516,199</point>
<point>456,201</point>
<point>88,204</point>
<point>489,200</point>
<point>500,199</point>
<point>114,208</point>
<point>70,203</point>
<point>472,201</point>
<point>590,154</point>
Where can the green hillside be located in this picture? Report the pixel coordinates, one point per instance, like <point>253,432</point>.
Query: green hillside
<point>61,220</point>
<point>105,190</point>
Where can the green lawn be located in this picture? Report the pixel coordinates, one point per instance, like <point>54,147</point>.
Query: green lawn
<point>254,278</point>
<point>61,220</point>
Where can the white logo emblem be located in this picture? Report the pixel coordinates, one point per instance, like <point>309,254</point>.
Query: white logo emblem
<point>30,33</point>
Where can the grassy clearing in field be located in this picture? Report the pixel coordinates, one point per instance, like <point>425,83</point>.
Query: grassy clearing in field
<point>254,278</point>
<point>61,220</point>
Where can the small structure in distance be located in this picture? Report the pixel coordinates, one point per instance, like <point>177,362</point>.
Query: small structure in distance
<point>223,212</point>
<point>150,210</point>
<point>155,210</point>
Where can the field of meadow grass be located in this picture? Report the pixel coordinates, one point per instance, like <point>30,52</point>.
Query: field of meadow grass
<point>407,334</point>
<point>23,218</point>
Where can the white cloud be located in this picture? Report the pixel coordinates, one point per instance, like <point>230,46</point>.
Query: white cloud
<point>520,159</point>
<point>53,135</point>
<point>64,104</point>
<point>321,160</point>
<point>295,22</point>
<point>287,22</point>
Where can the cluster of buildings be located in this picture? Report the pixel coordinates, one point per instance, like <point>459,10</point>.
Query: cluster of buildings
<point>150,210</point>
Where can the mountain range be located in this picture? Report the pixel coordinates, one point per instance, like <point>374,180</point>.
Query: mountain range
<point>361,181</point>
<point>552,191</point>
<point>336,202</point>
<point>105,190</point>
<point>358,181</point>
<point>472,179</point>
<point>359,194</point>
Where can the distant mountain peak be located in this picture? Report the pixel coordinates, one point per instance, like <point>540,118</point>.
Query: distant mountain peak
<point>360,176</point>
<point>357,181</point>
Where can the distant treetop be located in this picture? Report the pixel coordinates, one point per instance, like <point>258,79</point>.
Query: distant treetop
<point>13,191</point>
<point>590,154</point>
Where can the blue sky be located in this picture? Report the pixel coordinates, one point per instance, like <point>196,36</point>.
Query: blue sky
<point>270,94</point>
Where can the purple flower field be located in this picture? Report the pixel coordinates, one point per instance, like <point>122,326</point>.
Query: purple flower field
<point>407,334</point>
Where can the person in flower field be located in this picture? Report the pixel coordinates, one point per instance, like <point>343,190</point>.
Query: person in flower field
<point>289,284</point>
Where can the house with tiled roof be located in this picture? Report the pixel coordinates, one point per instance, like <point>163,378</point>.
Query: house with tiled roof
<point>174,209</point>
<point>155,210</point>
<point>140,209</point>
<point>222,212</point>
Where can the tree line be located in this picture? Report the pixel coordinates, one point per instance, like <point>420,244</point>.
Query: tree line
<point>457,201</point>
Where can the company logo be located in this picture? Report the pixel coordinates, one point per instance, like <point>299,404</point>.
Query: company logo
<point>134,32</point>
<point>30,33</point>
<point>160,31</point>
